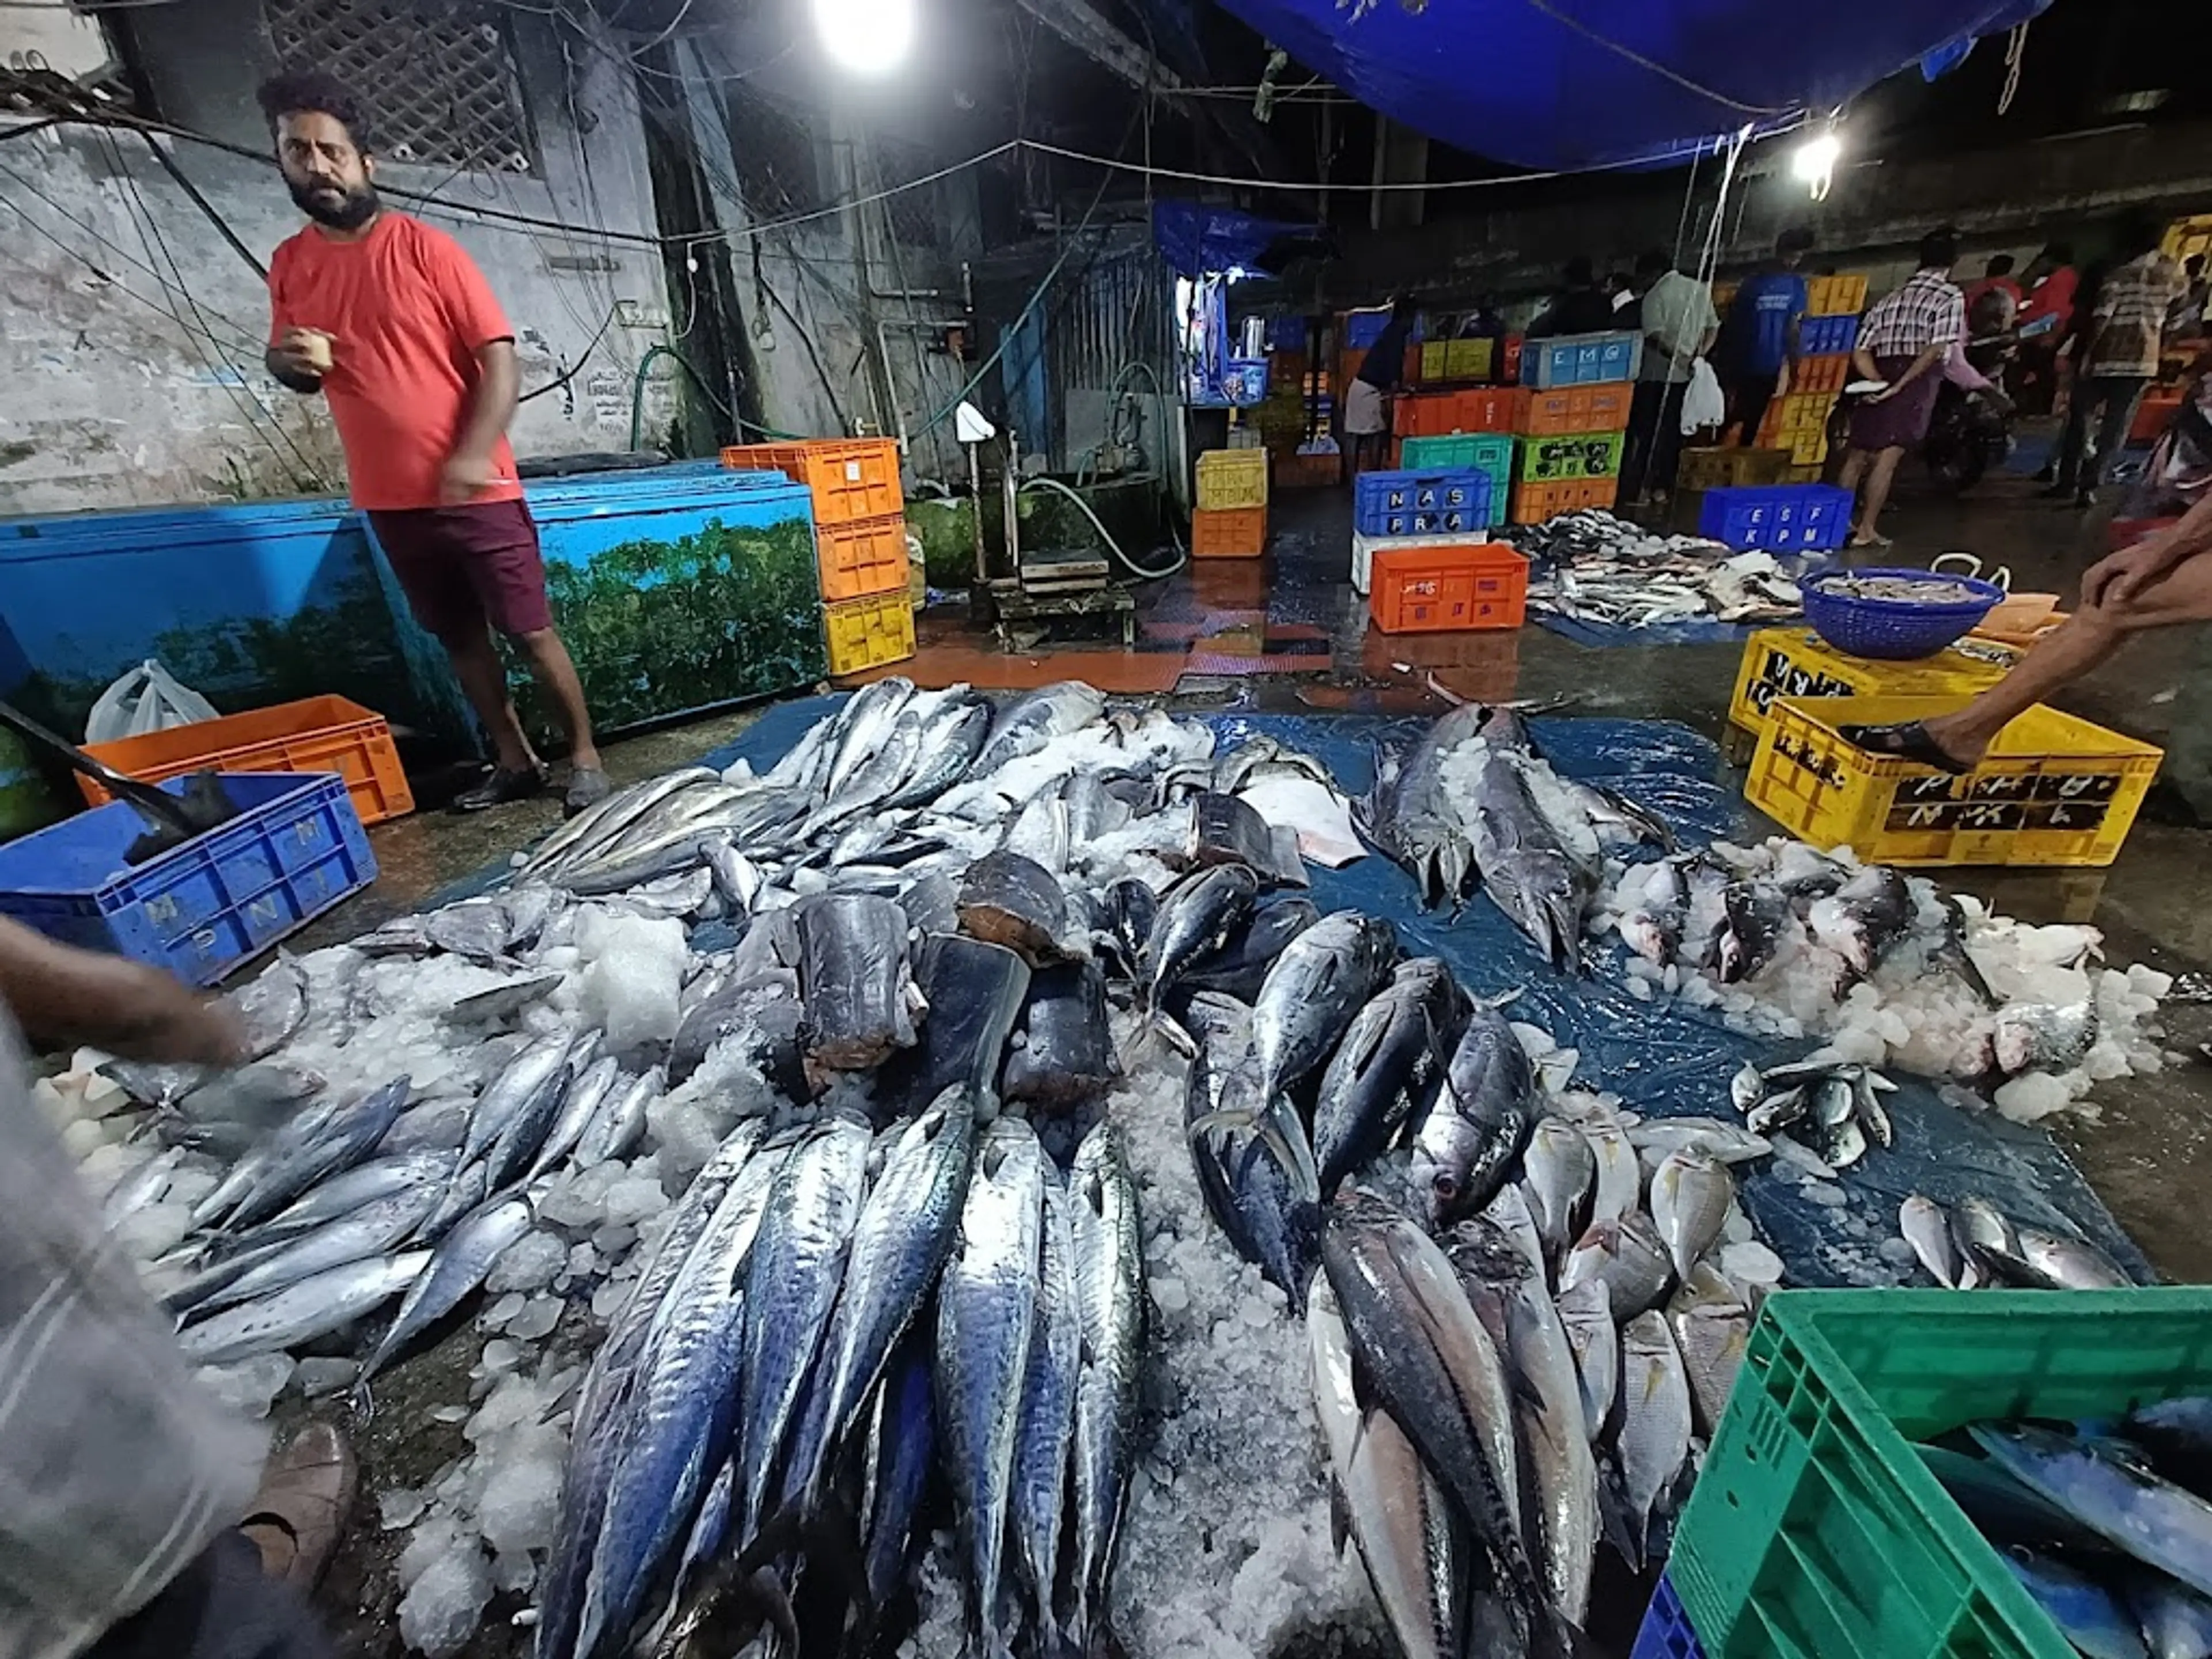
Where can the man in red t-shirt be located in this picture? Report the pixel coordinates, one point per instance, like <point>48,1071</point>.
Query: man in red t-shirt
<point>396,327</point>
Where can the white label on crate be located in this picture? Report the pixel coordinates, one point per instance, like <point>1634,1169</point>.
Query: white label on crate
<point>263,910</point>
<point>852,472</point>
<point>160,908</point>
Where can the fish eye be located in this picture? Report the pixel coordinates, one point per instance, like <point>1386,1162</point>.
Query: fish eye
<point>1446,1185</point>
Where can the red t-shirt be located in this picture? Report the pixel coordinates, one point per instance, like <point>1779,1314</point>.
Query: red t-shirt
<point>406,310</point>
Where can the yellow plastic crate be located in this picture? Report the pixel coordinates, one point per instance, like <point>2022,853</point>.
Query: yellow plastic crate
<point>1809,449</point>
<point>1797,662</point>
<point>1469,360</point>
<point>1806,411</point>
<point>2053,789</point>
<point>1804,473</point>
<point>866,633</point>
<point>1436,360</point>
<point>1835,296</point>
<point>1231,479</point>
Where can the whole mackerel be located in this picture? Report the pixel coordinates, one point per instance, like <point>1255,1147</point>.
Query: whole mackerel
<point>986,1311</point>
<point>1047,1426</point>
<point>462,1260</point>
<point>900,1242</point>
<point>314,1306</point>
<point>791,1284</point>
<point>1110,1291</point>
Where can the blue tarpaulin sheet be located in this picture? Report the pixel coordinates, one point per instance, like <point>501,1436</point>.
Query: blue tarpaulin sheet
<point>1612,82</point>
<point>1661,1059</point>
<point>1699,630</point>
<point>1197,238</point>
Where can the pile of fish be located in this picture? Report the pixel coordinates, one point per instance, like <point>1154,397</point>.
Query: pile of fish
<point>2107,1525</point>
<point>1898,590</point>
<point>1831,1109</point>
<point>1972,1243</point>
<point>1783,940</point>
<point>1472,803</point>
<point>1788,941</point>
<point>1593,566</point>
<point>1514,1344</point>
<point>940,1136</point>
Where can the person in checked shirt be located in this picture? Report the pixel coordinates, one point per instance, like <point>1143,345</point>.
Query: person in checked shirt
<point>1902,342</point>
<point>2118,359</point>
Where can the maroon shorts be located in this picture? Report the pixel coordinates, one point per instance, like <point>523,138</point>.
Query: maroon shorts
<point>463,567</point>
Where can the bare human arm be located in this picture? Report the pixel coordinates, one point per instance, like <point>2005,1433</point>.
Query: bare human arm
<point>2117,578</point>
<point>1929,358</point>
<point>470,470</point>
<point>63,995</point>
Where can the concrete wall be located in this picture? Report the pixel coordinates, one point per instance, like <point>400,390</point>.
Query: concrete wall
<point>131,332</point>
<point>813,295</point>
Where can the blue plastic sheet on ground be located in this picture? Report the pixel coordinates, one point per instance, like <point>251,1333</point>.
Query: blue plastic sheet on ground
<point>1696,630</point>
<point>1663,1060</point>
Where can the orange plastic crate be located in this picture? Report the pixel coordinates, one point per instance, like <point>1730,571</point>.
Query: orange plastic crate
<point>1438,414</point>
<point>1568,410</point>
<point>1228,532</point>
<point>1437,590</point>
<point>316,734</point>
<point>1532,503</point>
<point>1830,373</point>
<point>857,560</point>
<point>852,478</point>
<point>1511,370</point>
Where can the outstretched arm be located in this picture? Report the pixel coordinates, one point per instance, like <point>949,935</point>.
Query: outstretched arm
<point>63,995</point>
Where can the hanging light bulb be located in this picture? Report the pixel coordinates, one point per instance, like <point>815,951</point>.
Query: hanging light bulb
<point>1815,162</point>
<point>867,37</point>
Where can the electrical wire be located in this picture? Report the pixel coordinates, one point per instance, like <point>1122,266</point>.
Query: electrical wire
<point>307,476</point>
<point>243,336</point>
<point>1655,66</point>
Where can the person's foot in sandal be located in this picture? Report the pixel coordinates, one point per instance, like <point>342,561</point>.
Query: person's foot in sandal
<point>306,1493</point>
<point>499,787</point>
<point>1913,740</point>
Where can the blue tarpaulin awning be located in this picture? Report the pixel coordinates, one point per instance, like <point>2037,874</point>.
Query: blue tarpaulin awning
<point>1198,237</point>
<point>1562,84</point>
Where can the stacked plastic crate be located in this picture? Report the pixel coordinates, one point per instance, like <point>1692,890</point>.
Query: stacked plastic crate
<point>1231,519</point>
<point>859,542</point>
<point>1571,416</point>
<point>1420,552</point>
<point>1798,420</point>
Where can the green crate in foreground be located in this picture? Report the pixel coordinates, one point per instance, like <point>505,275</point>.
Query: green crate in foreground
<point>1815,1532</point>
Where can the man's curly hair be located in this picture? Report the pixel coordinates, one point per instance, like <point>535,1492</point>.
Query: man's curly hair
<point>301,92</point>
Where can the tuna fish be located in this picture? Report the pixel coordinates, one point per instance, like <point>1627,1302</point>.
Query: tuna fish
<point>1479,1122</point>
<point>1109,1294</point>
<point>986,1310</point>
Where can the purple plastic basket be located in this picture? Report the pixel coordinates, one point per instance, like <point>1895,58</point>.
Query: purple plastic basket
<point>1894,630</point>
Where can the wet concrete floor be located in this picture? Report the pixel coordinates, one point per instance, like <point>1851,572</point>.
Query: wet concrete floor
<point>1287,634</point>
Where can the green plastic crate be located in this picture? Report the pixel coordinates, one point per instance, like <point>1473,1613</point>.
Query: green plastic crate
<point>1816,1532</point>
<point>1490,452</point>
<point>1573,455</point>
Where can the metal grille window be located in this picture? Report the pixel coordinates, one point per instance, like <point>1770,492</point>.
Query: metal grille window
<point>778,167</point>
<point>442,85</point>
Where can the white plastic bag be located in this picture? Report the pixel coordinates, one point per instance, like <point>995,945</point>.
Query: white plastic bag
<point>1703,404</point>
<point>149,698</point>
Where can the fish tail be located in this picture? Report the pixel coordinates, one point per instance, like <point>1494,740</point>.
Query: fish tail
<point>364,1401</point>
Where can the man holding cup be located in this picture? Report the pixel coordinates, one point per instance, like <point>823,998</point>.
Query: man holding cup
<point>392,322</point>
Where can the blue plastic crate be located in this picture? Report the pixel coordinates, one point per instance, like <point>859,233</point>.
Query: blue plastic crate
<point>1580,358</point>
<point>1780,518</point>
<point>1363,328</point>
<point>1665,1632</point>
<point>1434,503</point>
<point>1245,380</point>
<point>295,850</point>
<point>1827,336</point>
